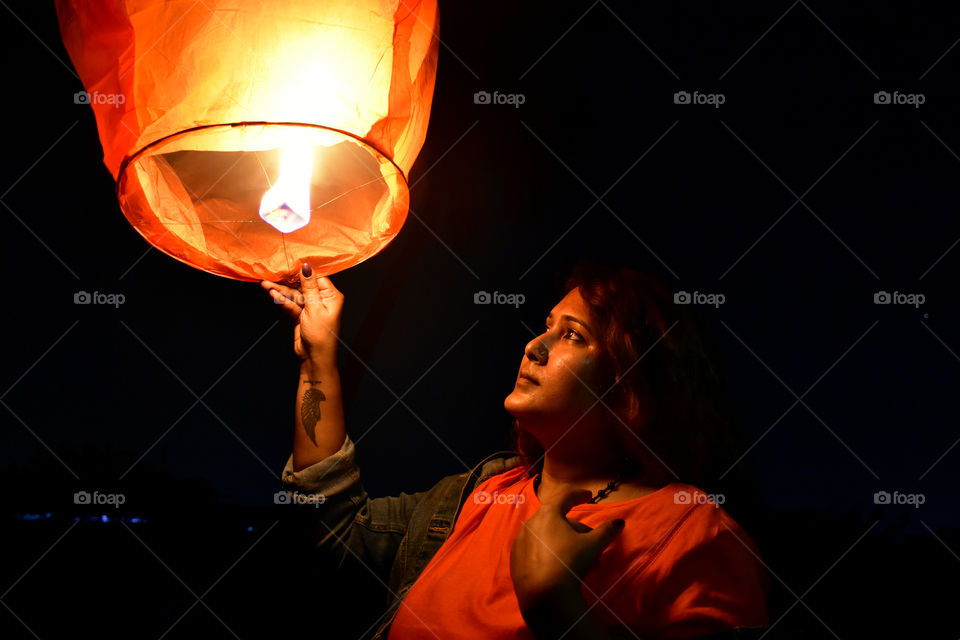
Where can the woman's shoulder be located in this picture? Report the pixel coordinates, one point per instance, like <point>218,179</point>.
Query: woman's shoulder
<point>703,527</point>
<point>706,572</point>
<point>503,477</point>
<point>680,518</point>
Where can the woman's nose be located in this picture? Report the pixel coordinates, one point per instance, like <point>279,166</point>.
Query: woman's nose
<point>536,350</point>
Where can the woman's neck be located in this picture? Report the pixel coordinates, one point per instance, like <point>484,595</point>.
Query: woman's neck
<point>591,466</point>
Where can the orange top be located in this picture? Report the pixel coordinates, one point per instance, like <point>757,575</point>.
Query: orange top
<point>682,567</point>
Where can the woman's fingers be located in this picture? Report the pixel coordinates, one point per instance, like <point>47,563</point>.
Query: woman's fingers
<point>288,292</point>
<point>309,286</point>
<point>318,291</point>
<point>290,307</point>
<point>326,288</point>
<point>285,290</point>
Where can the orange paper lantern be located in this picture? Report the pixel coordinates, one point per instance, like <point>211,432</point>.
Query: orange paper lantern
<point>248,136</point>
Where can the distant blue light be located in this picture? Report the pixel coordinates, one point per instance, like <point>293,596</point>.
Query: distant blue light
<point>134,520</point>
<point>104,518</point>
<point>249,528</point>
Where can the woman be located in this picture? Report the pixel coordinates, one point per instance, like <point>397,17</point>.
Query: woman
<point>594,528</point>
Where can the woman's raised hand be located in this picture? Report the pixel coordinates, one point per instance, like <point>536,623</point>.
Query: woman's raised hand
<point>316,307</point>
<point>551,555</point>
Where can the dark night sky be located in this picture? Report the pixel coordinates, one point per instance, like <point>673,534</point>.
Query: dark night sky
<point>798,199</point>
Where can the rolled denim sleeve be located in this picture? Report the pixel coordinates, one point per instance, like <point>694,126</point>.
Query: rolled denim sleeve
<point>333,515</point>
<point>333,475</point>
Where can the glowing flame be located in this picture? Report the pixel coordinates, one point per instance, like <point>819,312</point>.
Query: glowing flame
<point>286,205</point>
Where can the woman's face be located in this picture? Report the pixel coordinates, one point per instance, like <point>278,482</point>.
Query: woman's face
<point>563,363</point>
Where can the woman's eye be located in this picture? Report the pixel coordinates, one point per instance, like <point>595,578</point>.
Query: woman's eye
<point>566,332</point>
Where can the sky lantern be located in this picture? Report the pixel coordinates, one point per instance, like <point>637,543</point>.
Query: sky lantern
<point>248,136</point>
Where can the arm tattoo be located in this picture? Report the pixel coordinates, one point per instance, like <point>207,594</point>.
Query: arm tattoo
<point>310,410</point>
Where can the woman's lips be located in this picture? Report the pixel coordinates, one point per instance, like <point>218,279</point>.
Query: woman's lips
<point>526,378</point>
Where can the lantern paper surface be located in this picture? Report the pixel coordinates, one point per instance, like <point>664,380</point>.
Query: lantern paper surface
<point>248,136</point>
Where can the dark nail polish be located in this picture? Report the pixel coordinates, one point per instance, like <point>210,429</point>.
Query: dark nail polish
<point>307,271</point>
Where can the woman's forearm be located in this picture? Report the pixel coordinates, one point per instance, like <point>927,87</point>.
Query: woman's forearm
<point>319,429</point>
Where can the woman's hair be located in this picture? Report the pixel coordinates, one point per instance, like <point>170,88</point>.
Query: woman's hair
<point>654,347</point>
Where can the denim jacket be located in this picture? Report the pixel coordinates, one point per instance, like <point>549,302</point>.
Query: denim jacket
<point>394,536</point>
